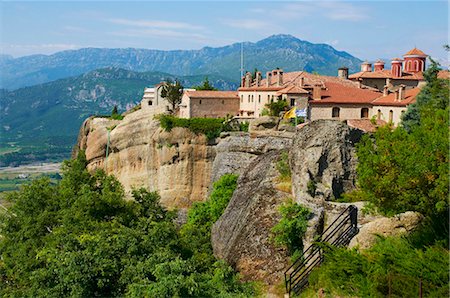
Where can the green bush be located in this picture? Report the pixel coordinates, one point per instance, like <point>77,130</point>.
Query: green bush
<point>211,127</point>
<point>392,267</point>
<point>290,230</point>
<point>276,107</point>
<point>81,238</point>
<point>283,167</point>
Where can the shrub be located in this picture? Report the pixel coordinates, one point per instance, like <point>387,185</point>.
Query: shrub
<point>276,107</point>
<point>292,226</point>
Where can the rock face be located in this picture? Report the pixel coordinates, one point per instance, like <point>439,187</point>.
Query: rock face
<point>324,162</point>
<point>177,164</point>
<point>242,234</point>
<point>235,151</point>
<point>263,123</point>
<point>399,225</point>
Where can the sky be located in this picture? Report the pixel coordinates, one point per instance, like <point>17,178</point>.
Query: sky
<point>365,29</point>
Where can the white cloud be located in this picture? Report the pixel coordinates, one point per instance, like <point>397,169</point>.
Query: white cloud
<point>155,24</point>
<point>343,11</point>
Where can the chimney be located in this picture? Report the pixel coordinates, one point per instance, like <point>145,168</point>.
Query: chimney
<point>343,73</point>
<point>258,78</point>
<point>396,67</point>
<point>317,92</point>
<point>268,79</point>
<point>401,92</point>
<point>366,66</point>
<point>378,65</point>
<point>243,81</point>
<point>385,90</point>
<point>302,81</point>
<point>248,79</point>
<point>280,78</point>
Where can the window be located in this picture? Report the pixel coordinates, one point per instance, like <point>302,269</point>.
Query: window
<point>292,102</point>
<point>242,98</point>
<point>252,98</point>
<point>335,112</point>
<point>223,101</point>
<point>364,113</point>
<point>248,98</point>
<point>391,116</point>
<point>150,102</point>
<point>379,114</point>
<point>200,102</point>
<point>268,98</point>
<point>259,98</point>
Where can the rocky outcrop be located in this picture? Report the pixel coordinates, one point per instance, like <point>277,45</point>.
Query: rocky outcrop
<point>242,234</point>
<point>236,150</point>
<point>323,164</point>
<point>263,123</point>
<point>398,225</point>
<point>177,164</point>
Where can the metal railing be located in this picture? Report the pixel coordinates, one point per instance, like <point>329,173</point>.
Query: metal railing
<point>338,234</point>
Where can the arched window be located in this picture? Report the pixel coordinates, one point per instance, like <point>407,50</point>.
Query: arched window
<point>379,114</point>
<point>421,66</point>
<point>223,101</point>
<point>416,65</point>
<point>391,116</point>
<point>364,113</point>
<point>248,98</point>
<point>335,112</point>
<point>150,102</point>
<point>408,66</point>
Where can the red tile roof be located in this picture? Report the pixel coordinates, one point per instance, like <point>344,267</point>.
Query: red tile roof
<point>389,100</point>
<point>444,74</point>
<point>336,92</point>
<point>415,52</point>
<point>384,74</point>
<point>365,124</point>
<point>212,94</point>
<point>292,89</point>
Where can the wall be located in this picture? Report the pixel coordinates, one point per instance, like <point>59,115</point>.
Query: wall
<point>208,107</point>
<point>380,83</point>
<point>347,111</point>
<point>397,112</point>
<point>255,105</point>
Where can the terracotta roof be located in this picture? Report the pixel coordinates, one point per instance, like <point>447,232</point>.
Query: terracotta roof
<point>336,92</point>
<point>292,89</point>
<point>386,73</point>
<point>389,100</point>
<point>444,74</point>
<point>365,124</point>
<point>212,94</point>
<point>415,52</point>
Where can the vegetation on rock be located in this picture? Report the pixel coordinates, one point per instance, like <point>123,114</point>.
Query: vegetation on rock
<point>172,92</point>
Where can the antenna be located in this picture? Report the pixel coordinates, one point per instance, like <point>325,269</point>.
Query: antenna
<point>242,60</point>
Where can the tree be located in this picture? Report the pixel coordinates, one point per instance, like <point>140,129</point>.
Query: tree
<point>205,86</point>
<point>172,92</point>
<point>434,95</point>
<point>276,107</point>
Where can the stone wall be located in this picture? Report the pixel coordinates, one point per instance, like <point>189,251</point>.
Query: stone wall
<point>347,111</point>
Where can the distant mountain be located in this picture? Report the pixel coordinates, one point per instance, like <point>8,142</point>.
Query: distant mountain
<point>52,113</point>
<point>284,51</point>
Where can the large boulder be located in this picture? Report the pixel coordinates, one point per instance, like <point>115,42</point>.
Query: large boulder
<point>323,161</point>
<point>323,164</point>
<point>242,235</point>
<point>236,150</point>
<point>263,123</point>
<point>398,225</point>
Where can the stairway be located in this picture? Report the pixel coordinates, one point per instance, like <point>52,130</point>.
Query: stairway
<point>338,234</point>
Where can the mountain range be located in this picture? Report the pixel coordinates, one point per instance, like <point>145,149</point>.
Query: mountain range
<point>284,51</point>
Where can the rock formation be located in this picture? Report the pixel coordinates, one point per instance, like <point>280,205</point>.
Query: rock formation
<point>177,164</point>
<point>242,234</point>
<point>398,225</point>
<point>323,163</point>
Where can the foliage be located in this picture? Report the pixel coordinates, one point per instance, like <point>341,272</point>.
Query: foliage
<point>292,226</point>
<point>115,114</point>
<point>211,127</point>
<point>391,267</point>
<point>283,167</point>
<point>433,96</point>
<point>311,188</point>
<point>206,85</point>
<point>243,126</point>
<point>276,107</point>
<point>172,92</point>
<point>82,238</point>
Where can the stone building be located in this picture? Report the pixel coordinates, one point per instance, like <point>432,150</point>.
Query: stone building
<point>153,101</point>
<point>407,71</point>
<point>211,104</point>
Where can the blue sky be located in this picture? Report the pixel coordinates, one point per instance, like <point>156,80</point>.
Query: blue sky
<point>365,29</point>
